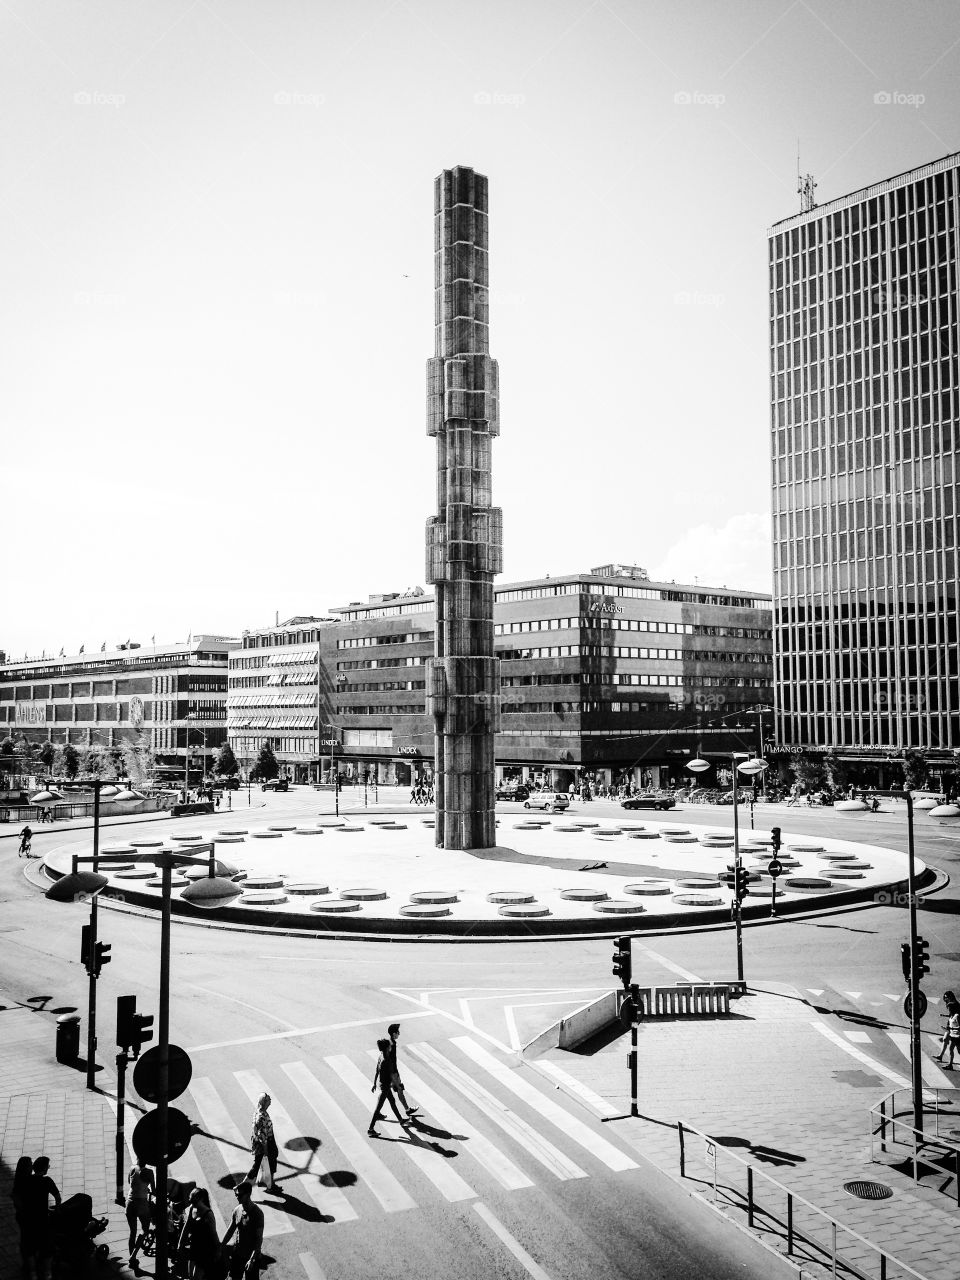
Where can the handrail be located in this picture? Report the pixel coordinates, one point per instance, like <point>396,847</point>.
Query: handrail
<point>887,1118</point>
<point>794,1198</point>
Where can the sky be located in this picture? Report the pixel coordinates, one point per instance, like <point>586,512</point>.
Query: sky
<point>217,283</point>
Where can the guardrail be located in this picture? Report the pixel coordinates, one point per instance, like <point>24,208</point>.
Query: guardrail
<point>684,999</point>
<point>917,1141</point>
<point>801,1238</point>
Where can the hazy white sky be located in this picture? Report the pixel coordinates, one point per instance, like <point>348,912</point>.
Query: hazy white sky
<point>217,296</point>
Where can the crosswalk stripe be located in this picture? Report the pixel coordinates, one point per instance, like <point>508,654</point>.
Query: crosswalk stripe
<point>369,1167</point>
<point>854,995</point>
<point>600,1105</point>
<point>187,1169</point>
<point>522,1133</point>
<point>328,1199</point>
<point>312,1267</point>
<point>858,1037</point>
<point>493,1160</point>
<point>447,1181</point>
<point>229,1142</point>
<point>532,1268</point>
<point>604,1151</point>
<point>929,1071</point>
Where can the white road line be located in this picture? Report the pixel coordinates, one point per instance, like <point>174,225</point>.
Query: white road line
<point>667,964</point>
<point>254,1008</point>
<point>575,1129</point>
<point>311,1267</point>
<point>861,1057</point>
<point>327,1199</point>
<point>929,1071</point>
<point>600,1105</point>
<point>445,1013</point>
<point>309,1031</point>
<point>482,1150</point>
<point>187,1169</point>
<point>525,1135</point>
<point>890,996</point>
<point>854,995</point>
<point>465,1013</point>
<point>513,1033</point>
<point>814,992</point>
<point>433,1165</point>
<point>858,1037</point>
<point>229,1142</point>
<point>516,1248</point>
<point>383,1185</point>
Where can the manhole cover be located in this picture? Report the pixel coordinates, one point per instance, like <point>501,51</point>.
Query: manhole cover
<point>865,1190</point>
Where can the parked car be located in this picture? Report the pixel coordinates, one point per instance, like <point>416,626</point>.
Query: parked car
<point>228,784</point>
<point>553,800</point>
<point>276,784</point>
<point>650,800</point>
<point>511,791</point>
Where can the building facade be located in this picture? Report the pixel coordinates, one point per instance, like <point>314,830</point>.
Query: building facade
<point>175,695</point>
<point>605,674</point>
<point>864,432</point>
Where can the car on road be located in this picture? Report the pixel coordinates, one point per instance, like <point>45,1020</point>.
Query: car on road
<point>276,784</point>
<point>650,800</point>
<point>228,784</point>
<point>511,791</point>
<point>553,800</point>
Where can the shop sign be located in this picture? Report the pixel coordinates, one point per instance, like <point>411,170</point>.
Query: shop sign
<point>604,606</point>
<point>409,751</point>
<point>136,712</point>
<point>31,713</point>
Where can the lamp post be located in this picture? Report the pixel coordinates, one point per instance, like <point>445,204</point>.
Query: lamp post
<point>750,767</point>
<point>82,884</point>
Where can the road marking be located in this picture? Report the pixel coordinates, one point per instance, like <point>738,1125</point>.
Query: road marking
<point>312,1267</point>
<point>445,1013</point>
<point>890,996</point>
<point>431,1163</point>
<point>327,1199</point>
<point>255,1008</point>
<point>574,1086</point>
<point>515,1247</point>
<point>522,1133</point>
<point>814,992</point>
<point>853,995</point>
<point>308,1031</point>
<point>492,1159</point>
<point>858,1037</point>
<point>861,1057</point>
<point>929,1071</point>
<point>465,1014</point>
<point>231,1146</point>
<point>369,1166</point>
<point>604,1151</point>
<point>667,964</point>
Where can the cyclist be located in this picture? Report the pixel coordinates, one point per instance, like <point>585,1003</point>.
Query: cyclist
<point>26,835</point>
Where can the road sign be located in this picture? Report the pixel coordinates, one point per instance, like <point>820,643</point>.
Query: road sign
<point>775,867</point>
<point>179,1072</point>
<point>921,1005</point>
<point>145,1135</point>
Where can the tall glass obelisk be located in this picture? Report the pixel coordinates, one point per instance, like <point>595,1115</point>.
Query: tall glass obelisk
<point>464,538</point>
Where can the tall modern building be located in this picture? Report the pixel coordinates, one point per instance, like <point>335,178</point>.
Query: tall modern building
<point>464,542</point>
<point>864,430</point>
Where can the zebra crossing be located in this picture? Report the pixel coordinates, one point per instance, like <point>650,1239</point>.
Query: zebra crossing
<point>475,1105</point>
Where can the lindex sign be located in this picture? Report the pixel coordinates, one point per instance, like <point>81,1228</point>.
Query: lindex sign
<point>146,1075</point>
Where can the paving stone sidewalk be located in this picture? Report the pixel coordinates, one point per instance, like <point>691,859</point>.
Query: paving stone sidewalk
<point>45,1109</point>
<point>771,1088</point>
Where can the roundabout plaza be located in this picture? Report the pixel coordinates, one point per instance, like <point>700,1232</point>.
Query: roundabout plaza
<point>585,872</point>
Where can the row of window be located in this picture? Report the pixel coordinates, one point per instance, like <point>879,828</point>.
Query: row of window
<point>247,721</point>
<point>264,699</point>
<point>383,686</point>
<point>369,664</point>
<point>366,642</point>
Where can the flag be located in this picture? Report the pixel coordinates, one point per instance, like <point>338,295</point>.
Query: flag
<point>153,640</point>
<point>61,653</point>
<point>81,648</point>
<point>103,647</point>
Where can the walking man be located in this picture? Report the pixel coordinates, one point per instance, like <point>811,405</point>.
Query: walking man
<point>393,1031</point>
<point>383,1080</point>
<point>247,1222</point>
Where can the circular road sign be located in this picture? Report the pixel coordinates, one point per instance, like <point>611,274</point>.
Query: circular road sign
<point>631,1012</point>
<point>921,1005</point>
<point>147,1070</point>
<point>146,1135</point>
<point>775,866</point>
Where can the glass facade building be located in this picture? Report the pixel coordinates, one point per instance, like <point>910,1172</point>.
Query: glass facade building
<point>864,430</point>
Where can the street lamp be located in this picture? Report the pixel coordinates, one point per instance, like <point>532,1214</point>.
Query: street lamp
<point>78,885</point>
<point>750,767</point>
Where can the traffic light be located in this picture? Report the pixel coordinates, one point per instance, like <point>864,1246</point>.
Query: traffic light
<point>101,957</point>
<point>85,947</point>
<point>905,960</point>
<point>622,961</point>
<point>775,839</point>
<point>741,884</point>
<point>921,956</point>
<point>126,1018</point>
<point>141,1031</point>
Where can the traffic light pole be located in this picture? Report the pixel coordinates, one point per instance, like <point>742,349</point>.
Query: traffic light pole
<point>92,988</point>
<point>634,1058</point>
<point>915,1062</point>
<point>121,1097</point>
<point>737,915</point>
<point>163,1070</point>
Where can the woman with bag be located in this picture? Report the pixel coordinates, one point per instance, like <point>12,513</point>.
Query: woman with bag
<point>264,1145</point>
<point>198,1239</point>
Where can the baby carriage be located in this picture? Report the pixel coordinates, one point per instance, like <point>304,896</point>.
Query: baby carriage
<point>73,1230</point>
<point>177,1196</point>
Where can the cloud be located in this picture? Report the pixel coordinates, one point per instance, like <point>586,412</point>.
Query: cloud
<point>737,554</point>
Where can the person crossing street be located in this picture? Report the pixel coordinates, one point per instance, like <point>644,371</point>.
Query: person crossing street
<point>393,1031</point>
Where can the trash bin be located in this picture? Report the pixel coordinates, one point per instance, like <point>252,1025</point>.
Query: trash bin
<point>68,1037</point>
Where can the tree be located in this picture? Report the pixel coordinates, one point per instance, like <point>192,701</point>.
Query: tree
<point>48,754</point>
<point>914,765</point>
<point>6,747</point>
<point>139,760</point>
<point>266,766</point>
<point>225,765</point>
<point>809,772</point>
<point>67,761</point>
<point>97,762</point>
<point>837,773</point>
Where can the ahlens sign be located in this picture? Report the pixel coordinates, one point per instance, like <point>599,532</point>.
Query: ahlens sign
<point>31,713</point>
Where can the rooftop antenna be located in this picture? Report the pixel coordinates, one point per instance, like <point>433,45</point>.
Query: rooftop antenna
<point>805,187</point>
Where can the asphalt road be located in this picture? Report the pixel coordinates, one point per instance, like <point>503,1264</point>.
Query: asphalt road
<point>500,1177</point>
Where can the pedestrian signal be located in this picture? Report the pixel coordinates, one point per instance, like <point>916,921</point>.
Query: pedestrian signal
<point>921,957</point>
<point>905,960</point>
<point>622,961</point>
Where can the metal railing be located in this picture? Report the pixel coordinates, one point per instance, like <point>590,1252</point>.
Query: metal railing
<point>801,1240</point>
<point>917,1142</point>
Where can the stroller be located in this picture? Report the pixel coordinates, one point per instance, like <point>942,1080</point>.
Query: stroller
<point>73,1229</point>
<point>177,1195</point>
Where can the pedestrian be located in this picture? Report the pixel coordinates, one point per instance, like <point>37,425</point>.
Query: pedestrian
<point>247,1222</point>
<point>263,1144</point>
<point>140,1187</point>
<point>951,1035</point>
<point>393,1031</point>
<point>26,835</point>
<point>38,1190</point>
<point>218,799</point>
<point>383,1080</point>
<point>199,1242</point>
<point>20,1194</point>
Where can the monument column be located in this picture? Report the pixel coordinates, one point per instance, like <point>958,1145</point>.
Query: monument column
<point>464,538</point>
